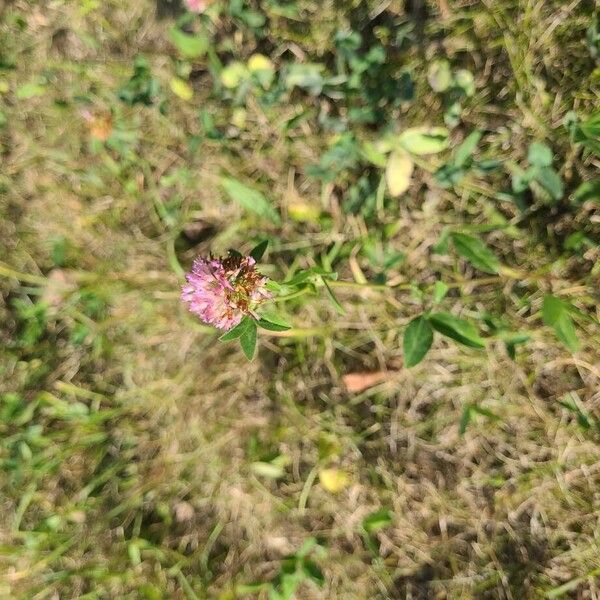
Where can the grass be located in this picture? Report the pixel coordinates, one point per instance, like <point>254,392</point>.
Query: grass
<point>143,459</point>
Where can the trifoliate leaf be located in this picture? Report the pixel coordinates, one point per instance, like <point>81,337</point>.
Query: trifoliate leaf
<point>424,140</point>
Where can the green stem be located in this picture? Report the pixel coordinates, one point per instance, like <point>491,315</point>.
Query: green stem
<point>356,285</point>
<point>296,294</point>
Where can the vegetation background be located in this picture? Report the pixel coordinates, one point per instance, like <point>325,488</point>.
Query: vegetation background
<point>142,458</point>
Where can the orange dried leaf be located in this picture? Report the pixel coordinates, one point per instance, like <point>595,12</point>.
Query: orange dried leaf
<point>358,382</point>
<point>100,124</point>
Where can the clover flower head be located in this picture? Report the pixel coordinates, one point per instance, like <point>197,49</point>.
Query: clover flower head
<point>222,291</point>
<point>197,6</point>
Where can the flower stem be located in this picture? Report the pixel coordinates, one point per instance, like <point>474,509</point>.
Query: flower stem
<point>296,294</point>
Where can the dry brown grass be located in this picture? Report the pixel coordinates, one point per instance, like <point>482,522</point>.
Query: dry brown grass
<point>164,459</point>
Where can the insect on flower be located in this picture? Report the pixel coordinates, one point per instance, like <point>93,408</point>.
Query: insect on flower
<point>222,291</point>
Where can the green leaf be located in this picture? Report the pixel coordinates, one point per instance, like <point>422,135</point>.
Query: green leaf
<point>460,330</point>
<point>308,545</point>
<point>237,331</point>
<point>465,81</point>
<point>591,127</point>
<point>248,339</point>
<point>299,278</point>
<point>257,252</point>
<point>512,340</point>
<point>135,555</point>
<point>424,140</point>
<point>555,313</point>
<point>440,289</point>
<point>271,321</point>
<point>439,75</point>
<point>251,588</point>
<point>189,46</point>
<point>250,199</point>
<point>262,70</point>
<point>373,154</point>
<point>30,90</point>
<point>520,179</point>
<point>150,592</point>
<point>484,412</point>
<point>141,88</point>
<point>468,146</point>
<point>572,403</point>
<point>550,180</point>
<point>336,304</point>
<point>588,190</point>
<point>539,155</point>
<point>476,252</point>
<point>271,326</point>
<point>552,309</point>
<point>313,572</point>
<point>273,317</point>
<point>465,419</point>
<point>469,411</point>
<point>418,338</point>
<point>377,520</point>
<point>305,75</point>
<point>587,133</point>
<point>441,246</point>
<point>233,74</point>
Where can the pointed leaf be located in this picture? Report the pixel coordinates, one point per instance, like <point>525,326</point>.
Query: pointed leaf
<point>458,329</point>
<point>418,338</point>
<point>464,151</point>
<point>271,326</point>
<point>552,309</point>
<point>539,155</point>
<point>465,419</point>
<point>250,199</point>
<point>190,46</point>
<point>313,572</point>
<point>273,322</point>
<point>248,339</point>
<point>551,181</point>
<point>336,304</point>
<point>237,331</point>
<point>377,520</point>
<point>555,313</point>
<point>440,289</point>
<point>588,190</point>
<point>273,317</point>
<point>476,252</point>
<point>257,252</point>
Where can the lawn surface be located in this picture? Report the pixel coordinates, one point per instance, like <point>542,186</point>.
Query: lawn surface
<point>142,458</point>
